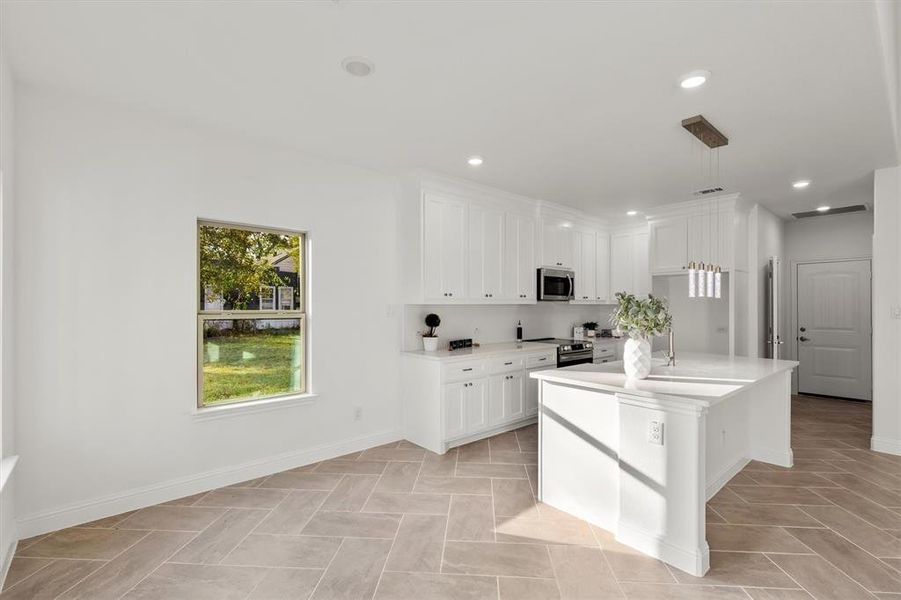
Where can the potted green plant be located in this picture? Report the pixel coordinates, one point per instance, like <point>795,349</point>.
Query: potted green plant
<point>430,338</point>
<point>590,328</point>
<point>640,320</point>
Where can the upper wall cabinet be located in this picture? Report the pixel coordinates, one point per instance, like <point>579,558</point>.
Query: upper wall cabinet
<point>629,262</point>
<point>444,248</point>
<point>486,252</point>
<point>585,256</point>
<point>520,235</point>
<point>556,243</point>
<point>668,245</point>
<point>707,232</point>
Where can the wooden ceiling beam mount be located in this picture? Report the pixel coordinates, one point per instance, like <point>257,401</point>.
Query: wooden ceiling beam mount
<point>701,128</point>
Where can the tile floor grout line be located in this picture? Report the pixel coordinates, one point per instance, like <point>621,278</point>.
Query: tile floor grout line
<point>252,529</point>
<point>325,570</point>
<point>162,562</point>
<point>795,580</point>
<point>136,542</point>
<point>29,576</point>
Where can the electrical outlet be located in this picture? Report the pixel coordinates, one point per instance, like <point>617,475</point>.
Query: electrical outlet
<point>896,312</point>
<point>358,413</point>
<point>655,432</point>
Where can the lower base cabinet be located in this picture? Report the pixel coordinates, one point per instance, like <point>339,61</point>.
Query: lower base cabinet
<point>449,403</point>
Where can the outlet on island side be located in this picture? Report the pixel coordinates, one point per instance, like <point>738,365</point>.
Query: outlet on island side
<point>655,432</point>
<point>358,413</point>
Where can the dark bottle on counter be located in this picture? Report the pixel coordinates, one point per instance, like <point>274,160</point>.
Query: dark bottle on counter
<point>519,331</point>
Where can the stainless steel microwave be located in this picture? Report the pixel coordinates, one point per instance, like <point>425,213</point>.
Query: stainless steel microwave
<point>556,285</point>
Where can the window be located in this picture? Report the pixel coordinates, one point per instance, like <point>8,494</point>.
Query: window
<point>251,314</point>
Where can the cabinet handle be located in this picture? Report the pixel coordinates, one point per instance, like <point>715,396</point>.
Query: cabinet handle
<point>469,369</point>
<point>508,363</point>
<point>541,359</point>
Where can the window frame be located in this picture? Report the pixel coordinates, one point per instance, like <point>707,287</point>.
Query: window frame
<point>300,314</point>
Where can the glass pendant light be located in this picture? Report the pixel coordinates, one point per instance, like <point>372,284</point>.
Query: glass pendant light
<point>717,283</point>
<point>692,279</point>
<point>702,280</point>
<point>710,286</point>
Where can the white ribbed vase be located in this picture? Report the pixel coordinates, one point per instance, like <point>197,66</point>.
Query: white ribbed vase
<point>637,358</point>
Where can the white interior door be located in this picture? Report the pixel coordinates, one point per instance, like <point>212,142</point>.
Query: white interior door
<point>834,329</point>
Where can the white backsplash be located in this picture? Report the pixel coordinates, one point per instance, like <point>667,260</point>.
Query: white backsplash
<point>489,324</point>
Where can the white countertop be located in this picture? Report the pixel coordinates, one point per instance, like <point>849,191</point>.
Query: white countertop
<point>484,351</point>
<point>704,378</point>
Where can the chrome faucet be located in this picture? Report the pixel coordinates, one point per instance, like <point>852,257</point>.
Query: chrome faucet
<point>671,355</point>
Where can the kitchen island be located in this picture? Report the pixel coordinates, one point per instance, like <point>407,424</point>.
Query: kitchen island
<point>640,458</point>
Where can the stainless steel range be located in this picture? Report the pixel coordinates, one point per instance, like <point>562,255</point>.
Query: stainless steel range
<point>570,352</point>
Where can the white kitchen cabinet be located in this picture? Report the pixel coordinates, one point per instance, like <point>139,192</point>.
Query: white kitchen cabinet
<point>641,275</point>
<point>519,263</point>
<point>668,245</point>
<point>556,243</point>
<point>486,252</point>
<point>585,265</point>
<point>602,265</point>
<point>444,248</point>
<point>505,398</point>
<point>453,396</point>
<point>456,400</point>
<point>629,263</point>
<point>475,405</point>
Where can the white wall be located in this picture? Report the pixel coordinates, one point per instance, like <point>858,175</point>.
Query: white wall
<point>820,238</point>
<point>8,530</point>
<point>887,311</point>
<point>107,298</point>
<point>488,324</point>
<point>699,324</point>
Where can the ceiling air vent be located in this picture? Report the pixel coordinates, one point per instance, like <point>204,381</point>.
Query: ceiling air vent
<point>832,211</point>
<point>706,191</point>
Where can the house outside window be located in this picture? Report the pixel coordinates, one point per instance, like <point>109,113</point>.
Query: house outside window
<point>251,317</point>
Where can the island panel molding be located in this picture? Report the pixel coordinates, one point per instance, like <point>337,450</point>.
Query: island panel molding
<point>598,460</point>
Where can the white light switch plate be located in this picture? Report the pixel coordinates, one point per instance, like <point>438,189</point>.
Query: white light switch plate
<point>655,432</point>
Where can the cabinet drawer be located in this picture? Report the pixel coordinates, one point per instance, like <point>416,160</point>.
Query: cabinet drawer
<point>604,351</point>
<point>505,364</point>
<point>463,370</point>
<point>546,360</point>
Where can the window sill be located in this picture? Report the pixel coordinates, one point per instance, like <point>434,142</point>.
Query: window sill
<point>254,406</point>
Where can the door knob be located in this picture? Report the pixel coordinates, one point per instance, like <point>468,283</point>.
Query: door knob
<point>804,339</point>
<point>803,329</point>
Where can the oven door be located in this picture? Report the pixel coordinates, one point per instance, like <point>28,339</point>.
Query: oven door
<point>583,357</point>
<point>556,285</point>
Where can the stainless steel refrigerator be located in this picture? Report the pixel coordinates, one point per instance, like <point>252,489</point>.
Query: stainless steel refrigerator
<point>773,280</point>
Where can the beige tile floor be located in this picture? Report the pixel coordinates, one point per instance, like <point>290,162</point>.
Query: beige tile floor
<point>397,522</point>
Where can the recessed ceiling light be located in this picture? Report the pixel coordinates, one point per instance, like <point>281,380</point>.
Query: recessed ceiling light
<point>631,213</point>
<point>358,66</point>
<point>475,161</point>
<point>801,184</point>
<point>694,79</point>
<point>823,208</point>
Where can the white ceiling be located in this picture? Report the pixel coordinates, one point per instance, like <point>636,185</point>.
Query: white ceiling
<point>575,102</point>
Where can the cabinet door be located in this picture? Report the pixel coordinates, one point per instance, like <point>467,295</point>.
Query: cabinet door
<point>496,402</point>
<point>557,244</point>
<point>620,263</point>
<point>444,247</point>
<point>519,265</point>
<point>526,265</point>
<point>486,235</point>
<point>585,261</point>
<point>531,395</point>
<point>454,420</point>
<point>669,245</point>
<point>602,268</point>
<point>476,405</point>
<point>641,276</point>
<point>513,397</point>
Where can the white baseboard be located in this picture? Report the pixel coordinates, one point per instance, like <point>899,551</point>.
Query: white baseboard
<point>114,504</point>
<point>694,561</point>
<point>490,432</point>
<point>887,445</point>
<point>782,458</point>
<point>717,484</point>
